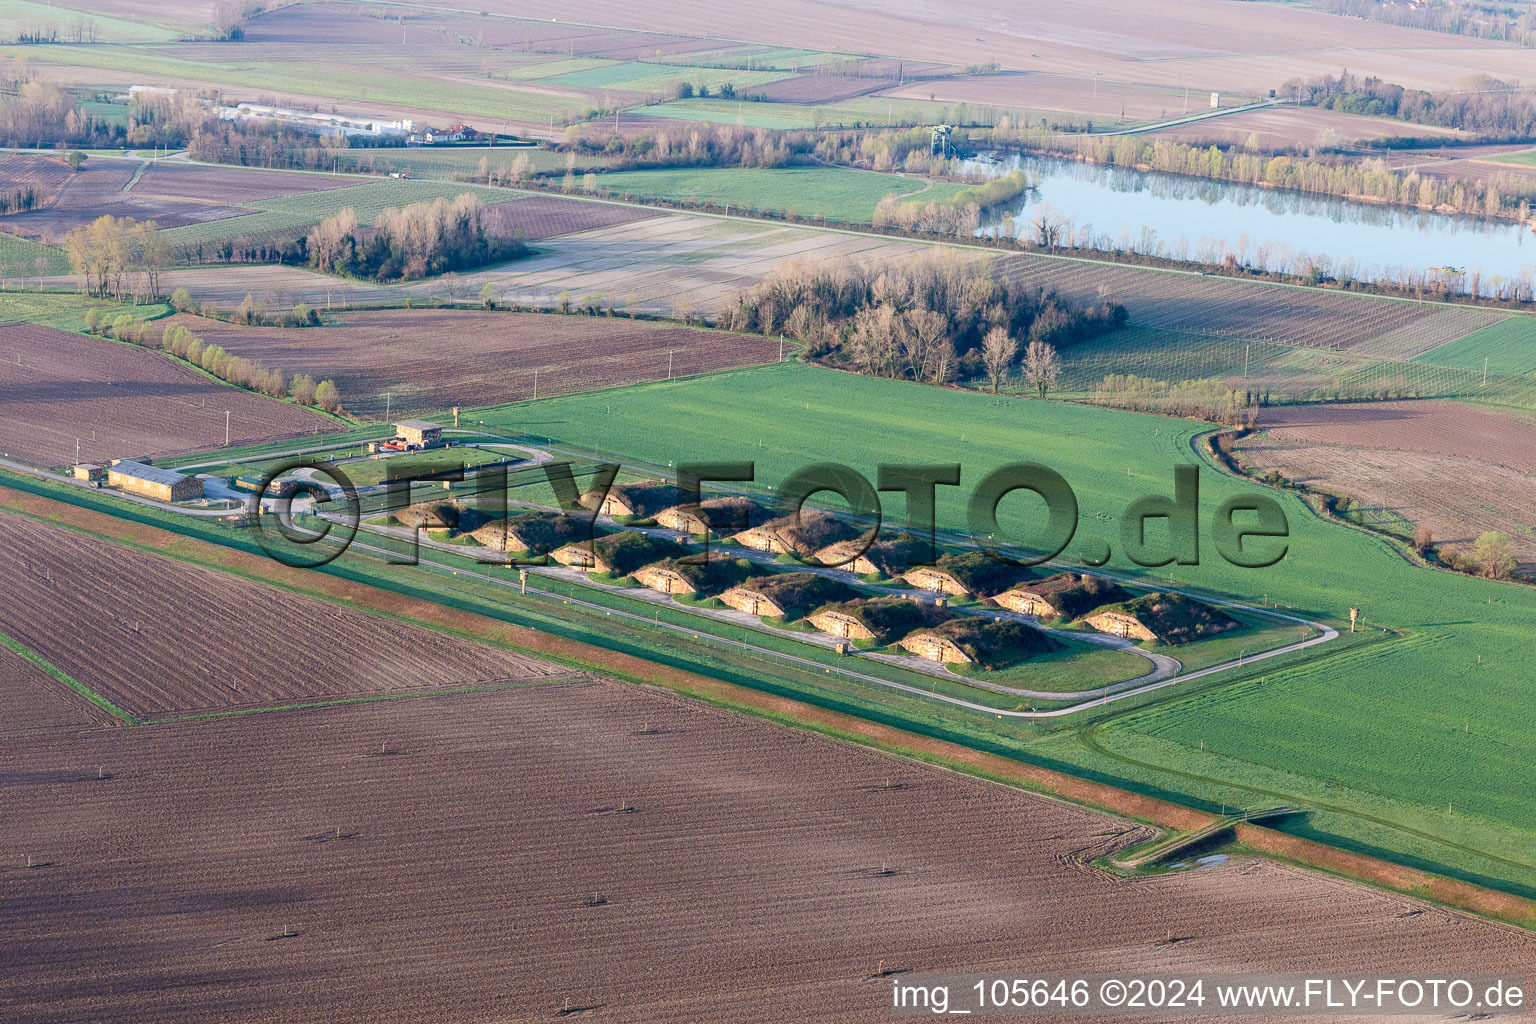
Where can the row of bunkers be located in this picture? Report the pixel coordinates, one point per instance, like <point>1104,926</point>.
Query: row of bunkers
<point>821,596</point>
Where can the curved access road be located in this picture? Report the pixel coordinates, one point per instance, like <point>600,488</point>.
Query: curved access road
<point>1106,696</point>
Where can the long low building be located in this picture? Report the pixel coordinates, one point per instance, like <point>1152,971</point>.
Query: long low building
<point>154,482</point>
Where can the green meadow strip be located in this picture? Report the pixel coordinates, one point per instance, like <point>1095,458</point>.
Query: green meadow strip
<point>16,647</point>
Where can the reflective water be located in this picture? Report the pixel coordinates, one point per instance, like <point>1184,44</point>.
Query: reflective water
<point>1194,218</point>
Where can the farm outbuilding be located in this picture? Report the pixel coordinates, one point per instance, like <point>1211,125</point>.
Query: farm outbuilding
<point>803,534</point>
<point>154,482</point>
<point>1063,596</point>
<point>420,432</point>
<point>972,640</point>
<point>1165,618</point>
<point>90,472</point>
<point>640,500</point>
<point>974,574</point>
<point>788,595</point>
<point>882,619</point>
<point>721,516</point>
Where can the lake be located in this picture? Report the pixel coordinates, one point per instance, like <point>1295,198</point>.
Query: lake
<point>1276,229</point>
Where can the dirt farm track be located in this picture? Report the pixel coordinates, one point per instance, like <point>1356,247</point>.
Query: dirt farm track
<point>639,854</point>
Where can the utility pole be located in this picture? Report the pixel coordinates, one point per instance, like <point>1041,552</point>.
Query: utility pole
<point>1246,349</point>
<point>1485,371</point>
<point>669,364</point>
<point>387,397</point>
<point>535,385</point>
<point>226,428</point>
<point>77,451</point>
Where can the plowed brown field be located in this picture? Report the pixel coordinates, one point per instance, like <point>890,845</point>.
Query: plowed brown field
<point>431,360</point>
<point>102,186</point>
<point>157,636</point>
<point>45,174</point>
<point>34,702</point>
<point>643,856</point>
<point>1457,469</point>
<point>231,185</point>
<point>121,401</point>
<point>1458,499</point>
<point>1431,428</point>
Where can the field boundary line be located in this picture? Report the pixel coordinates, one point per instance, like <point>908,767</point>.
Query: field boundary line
<point>17,647</point>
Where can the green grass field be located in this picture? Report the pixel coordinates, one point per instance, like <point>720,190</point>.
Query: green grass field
<point>1073,669</point>
<point>66,311</point>
<point>860,112</point>
<point>541,67</point>
<point>18,16</point>
<point>22,257</point>
<point>836,193</point>
<point>1376,736</point>
<point>346,83</point>
<point>782,58</point>
<point>1293,373</point>
<point>639,76</point>
<point>1509,346</point>
<point>372,471</point>
<point>1525,157</point>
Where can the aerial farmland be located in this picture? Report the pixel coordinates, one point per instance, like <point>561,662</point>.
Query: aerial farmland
<point>658,513</point>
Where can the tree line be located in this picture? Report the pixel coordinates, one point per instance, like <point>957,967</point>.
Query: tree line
<point>415,241</point>
<point>1369,179</point>
<point>118,256</point>
<point>1481,20</point>
<point>927,317</point>
<point>18,200</point>
<point>1484,105</point>
<point>40,114</point>
<point>959,215</point>
<point>181,342</point>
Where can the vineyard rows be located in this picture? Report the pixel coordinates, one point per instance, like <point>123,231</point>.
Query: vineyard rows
<point>158,636</point>
<point>1200,304</point>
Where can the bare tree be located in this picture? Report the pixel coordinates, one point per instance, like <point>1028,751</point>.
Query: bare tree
<point>1042,366</point>
<point>998,350</point>
<point>1047,224</point>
